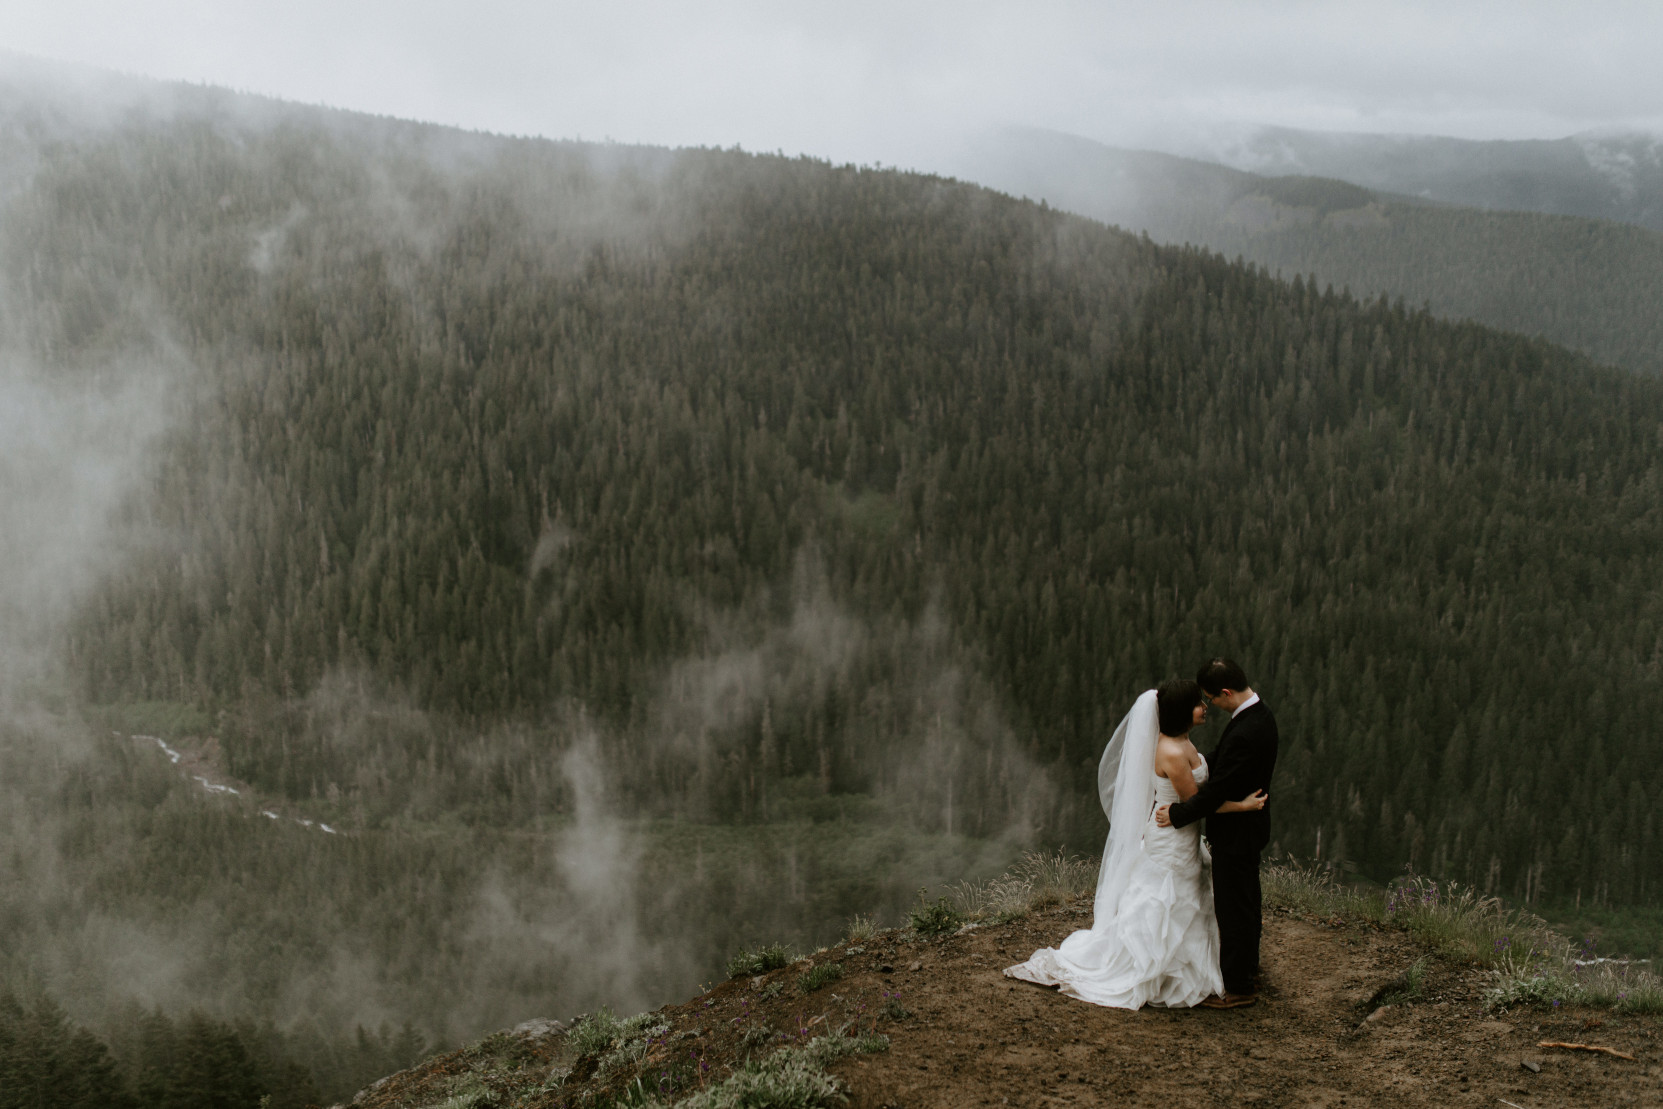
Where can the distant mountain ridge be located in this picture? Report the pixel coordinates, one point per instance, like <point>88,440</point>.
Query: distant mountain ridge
<point>1596,175</point>
<point>1590,284</point>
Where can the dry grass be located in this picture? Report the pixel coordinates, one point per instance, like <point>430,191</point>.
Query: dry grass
<point>1038,881</point>
<point>1533,965</point>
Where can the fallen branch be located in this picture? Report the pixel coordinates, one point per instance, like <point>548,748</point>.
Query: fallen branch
<point>1587,1047</point>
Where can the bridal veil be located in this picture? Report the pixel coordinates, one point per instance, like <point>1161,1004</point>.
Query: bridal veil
<point>1126,785</point>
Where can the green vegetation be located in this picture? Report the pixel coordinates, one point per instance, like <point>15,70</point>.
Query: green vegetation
<point>769,957</point>
<point>820,974</point>
<point>860,929</point>
<point>792,1078</point>
<point>1406,987</point>
<point>595,1033</point>
<point>1532,964</point>
<point>1038,881</point>
<point>934,918</point>
<point>1634,930</point>
<point>149,1061</point>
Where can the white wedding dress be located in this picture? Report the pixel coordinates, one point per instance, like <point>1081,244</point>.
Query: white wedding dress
<point>1154,937</point>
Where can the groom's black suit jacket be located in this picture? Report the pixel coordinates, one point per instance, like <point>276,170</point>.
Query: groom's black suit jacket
<point>1239,766</point>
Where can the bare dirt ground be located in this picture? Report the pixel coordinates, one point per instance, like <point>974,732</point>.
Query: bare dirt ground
<point>975,1038</point>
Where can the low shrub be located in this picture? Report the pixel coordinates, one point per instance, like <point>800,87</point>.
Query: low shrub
<point>934,919</point>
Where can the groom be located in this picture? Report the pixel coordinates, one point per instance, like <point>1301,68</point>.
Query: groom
<point>1240,765</point>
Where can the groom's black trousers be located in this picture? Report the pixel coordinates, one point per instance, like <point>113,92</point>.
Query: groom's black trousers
<point>1236,901</point>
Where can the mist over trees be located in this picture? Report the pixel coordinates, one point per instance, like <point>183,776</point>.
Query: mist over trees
<point>764,498</point>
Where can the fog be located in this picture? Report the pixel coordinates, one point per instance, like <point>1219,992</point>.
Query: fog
<point>438,902</point>
<point>882,82</point>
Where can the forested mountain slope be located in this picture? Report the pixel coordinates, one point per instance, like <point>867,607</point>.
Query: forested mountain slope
<point>1590,284</point>
<point>511,425</point>
<point>1597,175</point>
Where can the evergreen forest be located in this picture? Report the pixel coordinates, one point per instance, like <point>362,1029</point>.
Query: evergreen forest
<point>630,554</point>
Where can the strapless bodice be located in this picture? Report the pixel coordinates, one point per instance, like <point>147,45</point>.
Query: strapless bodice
<point>1165,794</point>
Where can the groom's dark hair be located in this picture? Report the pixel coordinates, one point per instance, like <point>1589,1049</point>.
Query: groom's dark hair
<point>1175,701</point>
<point>1220,674</point>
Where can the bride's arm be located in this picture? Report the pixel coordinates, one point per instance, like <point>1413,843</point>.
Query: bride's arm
<point>1246,804</point>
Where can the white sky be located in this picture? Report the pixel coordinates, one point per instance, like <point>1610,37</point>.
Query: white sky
<point>877,81</point>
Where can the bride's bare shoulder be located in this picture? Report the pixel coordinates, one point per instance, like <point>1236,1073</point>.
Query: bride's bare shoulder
<point>1169,753</point>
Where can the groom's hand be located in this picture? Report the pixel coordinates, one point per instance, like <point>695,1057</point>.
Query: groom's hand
<point>1162,817</point>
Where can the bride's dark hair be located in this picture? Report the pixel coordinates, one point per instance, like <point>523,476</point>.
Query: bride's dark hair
<point>1175,701</point>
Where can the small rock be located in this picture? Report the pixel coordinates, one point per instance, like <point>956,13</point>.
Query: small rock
<point>370,1089</point>
<point>757,982</point>
<point>1531,1065</point>
<point>915,965</point>
<point>1376,1015</point>
<point>539,1028</point>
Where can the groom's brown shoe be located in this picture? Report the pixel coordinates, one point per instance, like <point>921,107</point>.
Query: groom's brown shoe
<point>1229,1000</point>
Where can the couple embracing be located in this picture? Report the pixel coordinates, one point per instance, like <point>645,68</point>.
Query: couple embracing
<point>1173,924</point>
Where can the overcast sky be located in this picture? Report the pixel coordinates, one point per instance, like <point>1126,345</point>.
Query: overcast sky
<point>874,81</point>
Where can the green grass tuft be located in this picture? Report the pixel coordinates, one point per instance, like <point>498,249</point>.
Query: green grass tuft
<point>595,1033</point>
<point>817,976</point>
<point>761,961</point>
<point>791,1078</point>
<point>860,929</point>
<point>1037,881</point>
<point>466,1092</point>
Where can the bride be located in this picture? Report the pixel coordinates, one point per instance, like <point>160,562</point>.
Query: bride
<point>1153,938</point>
